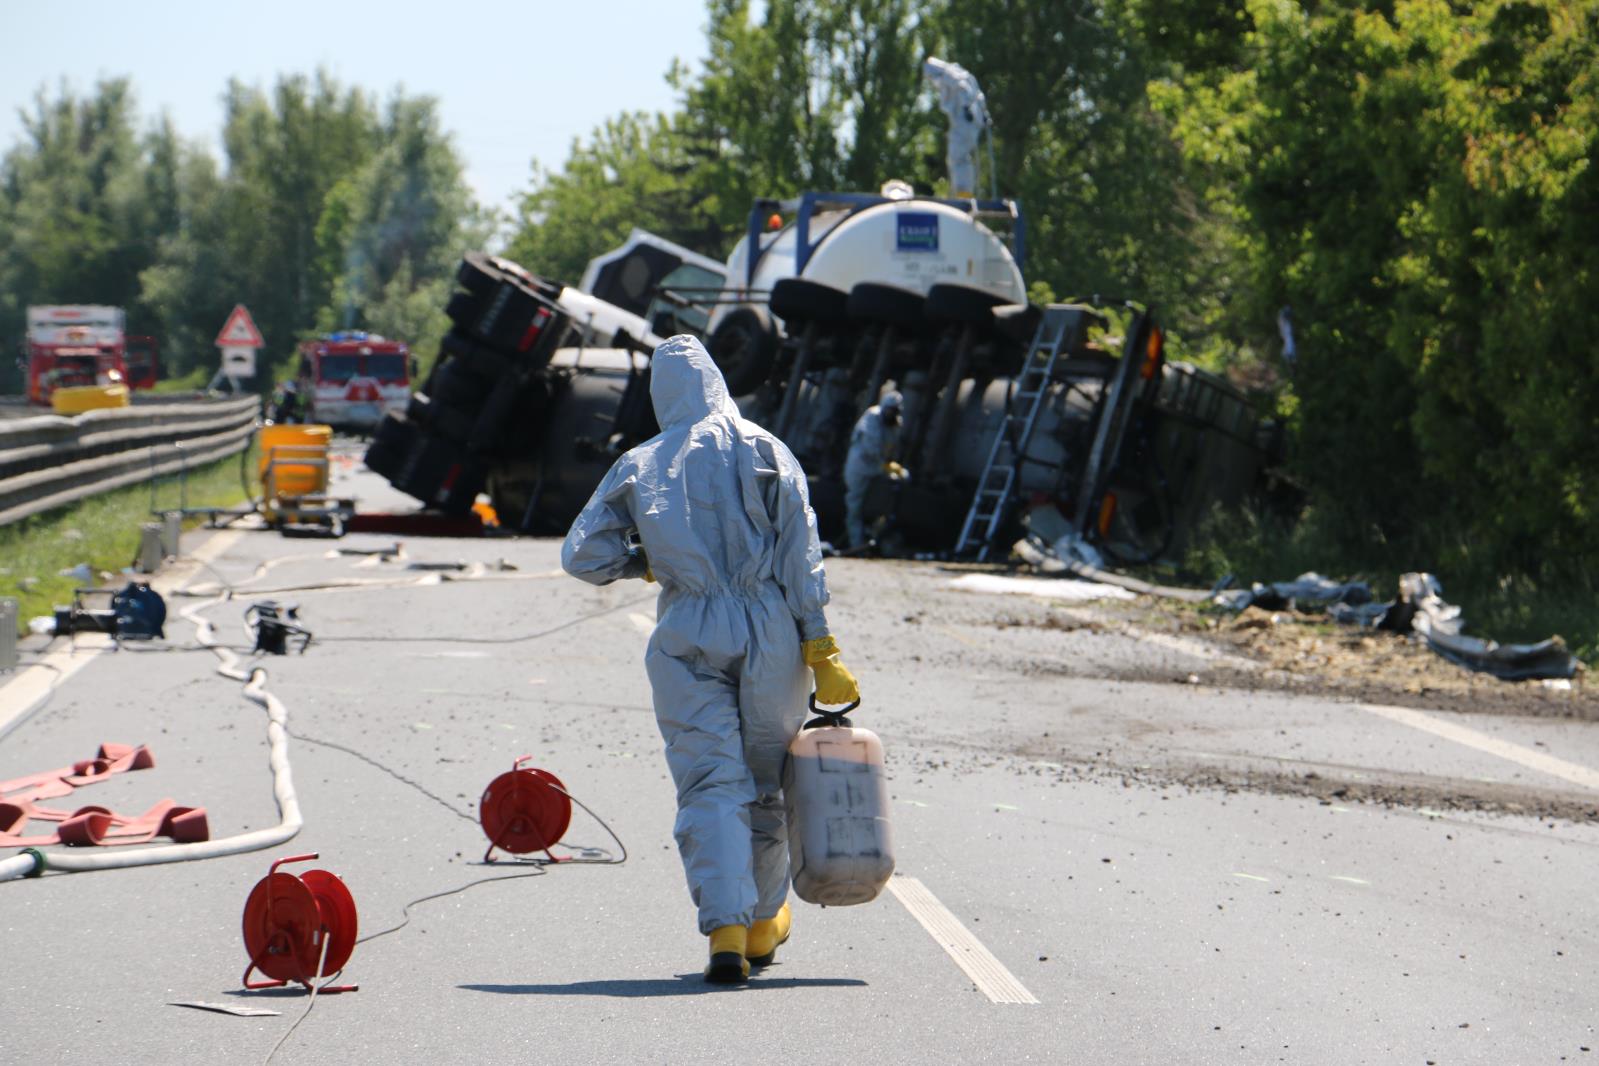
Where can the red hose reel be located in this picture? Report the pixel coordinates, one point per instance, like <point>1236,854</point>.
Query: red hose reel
<point>299,928</point>
<point>524,810</point>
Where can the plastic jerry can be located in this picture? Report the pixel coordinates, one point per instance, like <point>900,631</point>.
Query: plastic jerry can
<point>840,845</point>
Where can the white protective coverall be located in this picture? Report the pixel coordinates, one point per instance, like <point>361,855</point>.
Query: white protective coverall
<point>872,444</point>
<point>723,516</point>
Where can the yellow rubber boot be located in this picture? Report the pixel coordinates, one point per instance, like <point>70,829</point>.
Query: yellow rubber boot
<point>728,966</point>
<point>767,934</point>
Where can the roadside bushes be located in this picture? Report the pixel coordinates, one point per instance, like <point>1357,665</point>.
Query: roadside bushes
<point>1417,181</point>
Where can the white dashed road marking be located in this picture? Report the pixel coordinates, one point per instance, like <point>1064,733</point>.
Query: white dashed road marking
<point>987,972</point>
<point>1504,749</point>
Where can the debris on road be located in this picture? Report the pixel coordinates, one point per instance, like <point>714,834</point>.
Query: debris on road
<point>1421,609</point>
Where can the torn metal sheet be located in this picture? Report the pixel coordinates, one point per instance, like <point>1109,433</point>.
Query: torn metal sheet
<point>1308,589</point>
<point>1439,624</point>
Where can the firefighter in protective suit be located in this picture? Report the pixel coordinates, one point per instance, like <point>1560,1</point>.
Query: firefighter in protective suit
<point>716,510</point>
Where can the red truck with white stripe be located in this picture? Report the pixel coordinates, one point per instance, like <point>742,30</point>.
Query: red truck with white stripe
<point>85,344</point>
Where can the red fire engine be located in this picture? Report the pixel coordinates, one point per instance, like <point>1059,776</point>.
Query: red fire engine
<point>80,344</point>
<point>351,379</point>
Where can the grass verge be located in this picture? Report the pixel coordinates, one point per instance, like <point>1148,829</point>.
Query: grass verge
<point>102,531</point>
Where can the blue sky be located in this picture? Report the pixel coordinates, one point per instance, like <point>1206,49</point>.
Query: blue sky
<point>516,81</point>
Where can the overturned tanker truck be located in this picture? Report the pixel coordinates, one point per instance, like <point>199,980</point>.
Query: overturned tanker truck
<point>1011,410</point>
<point>1065,421</point>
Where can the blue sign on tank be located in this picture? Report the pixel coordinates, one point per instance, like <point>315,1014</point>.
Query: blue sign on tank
<point>918,232</point>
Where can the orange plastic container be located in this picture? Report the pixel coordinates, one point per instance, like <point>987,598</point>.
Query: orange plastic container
<point>840,843</point>
<point>293,460</point>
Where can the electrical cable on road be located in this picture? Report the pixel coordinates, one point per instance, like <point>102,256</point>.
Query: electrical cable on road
<point>321,962</point>
<point>279,732</point>
<point>568,624</point>
<point>464,816</point>
<point>442,802</point>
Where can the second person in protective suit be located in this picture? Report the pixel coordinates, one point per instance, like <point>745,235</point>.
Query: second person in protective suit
<point>716,510</point>
<point>873,445</point>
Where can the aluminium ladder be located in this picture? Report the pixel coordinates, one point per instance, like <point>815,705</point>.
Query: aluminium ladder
<point>1059,331</point>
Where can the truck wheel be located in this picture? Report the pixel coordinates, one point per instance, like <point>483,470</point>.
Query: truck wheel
<point>1017,322</point>
<point>391,445</point>
<point>465,307</point>
<point>798,300</point>
<point>962,306</point>
<point>480,273</point>
<point>482,360</point>
<point>744,348</point>
<point>885,303</point>
<point>455,385</point>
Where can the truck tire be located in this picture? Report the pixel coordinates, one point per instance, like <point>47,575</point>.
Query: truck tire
<point>797,301</point>
<point>391,443</point>
<point>482,360</point>
<point>452,423</point>
<point>453,384</point>
<point>872,302</point>
<point>480,272</point>
<point>744,348</point>
<point>962,306</point>
<point>1017,322</point>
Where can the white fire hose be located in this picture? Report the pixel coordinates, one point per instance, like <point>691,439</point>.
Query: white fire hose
<point>33,862</point>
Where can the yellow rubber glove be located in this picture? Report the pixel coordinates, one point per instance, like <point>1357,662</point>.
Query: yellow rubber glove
<point>893,469</point>
<point>834,683</point>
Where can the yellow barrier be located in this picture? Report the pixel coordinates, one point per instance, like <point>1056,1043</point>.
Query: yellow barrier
<point>294,459</point>
<point>77,399</point>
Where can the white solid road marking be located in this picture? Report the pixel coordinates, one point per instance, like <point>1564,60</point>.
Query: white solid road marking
<point>987,972</point>
<point>30,686</point>
<point>1533,760</point>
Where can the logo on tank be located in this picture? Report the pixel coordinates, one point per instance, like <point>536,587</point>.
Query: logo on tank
<point>917,232</point>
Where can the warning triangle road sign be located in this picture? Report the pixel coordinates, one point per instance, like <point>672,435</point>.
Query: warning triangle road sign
<point>240,331</point>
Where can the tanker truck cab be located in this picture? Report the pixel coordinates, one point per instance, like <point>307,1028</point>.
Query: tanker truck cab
<point>352,378</point>
<point>665,284</point>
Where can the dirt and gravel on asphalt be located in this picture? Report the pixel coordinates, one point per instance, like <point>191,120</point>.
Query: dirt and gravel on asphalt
<point>1308,653</point>
<point>941,618</point>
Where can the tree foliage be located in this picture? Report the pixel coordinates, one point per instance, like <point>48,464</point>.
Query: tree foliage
<point>327,211</point>
<point>1417,181</point>
<point>816,94</point>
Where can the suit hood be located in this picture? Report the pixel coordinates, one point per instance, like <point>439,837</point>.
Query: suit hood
<point>685,385</point>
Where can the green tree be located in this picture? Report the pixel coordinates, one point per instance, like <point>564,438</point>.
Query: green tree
<point>390,233</point>
<point>285,151</point>
<point>1416,181</point>
<point>815,94</point>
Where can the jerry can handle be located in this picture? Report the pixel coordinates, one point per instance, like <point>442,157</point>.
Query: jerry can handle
<point>829,718</point>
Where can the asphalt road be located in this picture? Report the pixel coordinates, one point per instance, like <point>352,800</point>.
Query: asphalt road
<point>1129,871</point>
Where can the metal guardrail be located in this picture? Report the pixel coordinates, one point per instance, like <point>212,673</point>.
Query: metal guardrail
<point>50,460</point>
